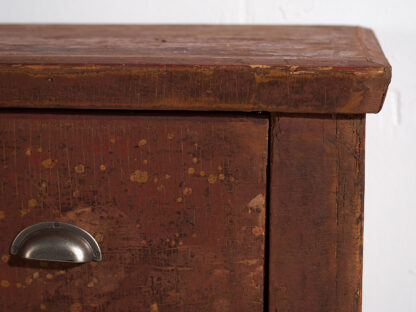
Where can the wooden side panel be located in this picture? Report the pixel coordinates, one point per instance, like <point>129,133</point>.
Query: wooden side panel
<point>316,213</point>
<point>176,202</point>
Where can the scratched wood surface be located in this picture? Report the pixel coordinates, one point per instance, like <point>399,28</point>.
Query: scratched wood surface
<point>316,213</point>
<point>306,69</point>
<point>176,202</point>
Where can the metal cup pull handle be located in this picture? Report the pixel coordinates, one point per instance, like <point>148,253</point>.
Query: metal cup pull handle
<point>56,241</point>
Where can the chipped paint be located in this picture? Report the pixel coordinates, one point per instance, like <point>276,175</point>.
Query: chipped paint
<point>257,202</point>
<point>154,307</point>
<point>139,176</point>
<point>259,66</point>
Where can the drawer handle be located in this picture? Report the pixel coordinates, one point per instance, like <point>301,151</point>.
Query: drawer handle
<point>56,241</point>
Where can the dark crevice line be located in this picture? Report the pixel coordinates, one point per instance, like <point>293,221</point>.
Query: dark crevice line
<point>267,213</point>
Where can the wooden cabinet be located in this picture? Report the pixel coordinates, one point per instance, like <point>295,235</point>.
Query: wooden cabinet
<point>219,168</point>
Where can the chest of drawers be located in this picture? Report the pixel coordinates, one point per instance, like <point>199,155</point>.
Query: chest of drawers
<point>218,168</point>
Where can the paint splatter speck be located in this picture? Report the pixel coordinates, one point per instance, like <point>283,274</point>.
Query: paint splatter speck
<point>36,275</point>
<point>103,167</point>
<point>142,142</point>
<point>194,160</point>
<point>202,173</point>
<point>79,168</point>
<point>167,176</point>
<point>28,280</point>
<point>171,136</point>
<point>42,306</point>
<point>139,176</point>
<point>99,237</point>
<point>187,191</point>
<point>191,170</point>
<point>19,285</point>
<point>49,276</point>
<point>28,151</point>
<point>2,215</point>
<point>4,283</point>
<point>179,199</point>
<point>212,178</point>
<point>257,231</point>
<point>221,176</point>
<point>24,212</point>
<point>32,203</point>
<point>75,307</point>
<point>49,163</point>
<point>112,140</point>
<point>5,258</point>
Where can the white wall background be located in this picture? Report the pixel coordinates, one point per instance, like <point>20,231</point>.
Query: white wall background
<point>390,200</point>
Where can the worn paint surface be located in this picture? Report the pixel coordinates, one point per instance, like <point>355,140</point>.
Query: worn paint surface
<point>296,69</point>
<point>316,213</point>
<point>173,239</point>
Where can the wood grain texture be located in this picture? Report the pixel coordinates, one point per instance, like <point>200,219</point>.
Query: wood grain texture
<point>316,213</point>
<point>177,203</point>
<point>301,69</point>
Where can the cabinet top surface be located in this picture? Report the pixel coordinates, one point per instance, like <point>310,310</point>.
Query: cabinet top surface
<point>266,52</point>
<point>191,44</point>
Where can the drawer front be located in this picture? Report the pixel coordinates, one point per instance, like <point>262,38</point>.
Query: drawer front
<point>176,202</point>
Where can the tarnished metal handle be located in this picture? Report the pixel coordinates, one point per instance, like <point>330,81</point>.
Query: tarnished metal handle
<point>56,241</point>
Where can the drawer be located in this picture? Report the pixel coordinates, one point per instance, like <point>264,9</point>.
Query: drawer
<point>176,202</point>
